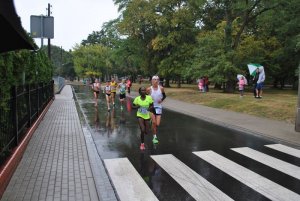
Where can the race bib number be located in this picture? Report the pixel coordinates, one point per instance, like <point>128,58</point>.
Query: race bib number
<point>143,110</point>
<point>158,110</point>
<point>122,90</point>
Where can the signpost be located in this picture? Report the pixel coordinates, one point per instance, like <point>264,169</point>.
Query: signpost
<point>42,27</point>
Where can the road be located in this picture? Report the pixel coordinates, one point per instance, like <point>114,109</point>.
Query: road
<point>195,160</point>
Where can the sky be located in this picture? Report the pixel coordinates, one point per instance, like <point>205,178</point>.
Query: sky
<point>74,20</point>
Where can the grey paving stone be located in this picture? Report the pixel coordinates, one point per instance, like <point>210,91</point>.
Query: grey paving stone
<point>55,164</point>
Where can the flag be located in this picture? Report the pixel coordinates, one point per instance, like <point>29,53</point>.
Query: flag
<point>252,68</point>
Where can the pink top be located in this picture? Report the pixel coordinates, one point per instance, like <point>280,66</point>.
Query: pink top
<point>128,83</point>
<point>242,83</point>
<point>201,82</point>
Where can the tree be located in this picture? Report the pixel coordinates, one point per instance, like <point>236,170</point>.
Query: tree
<point>92,60</point>
<point>108,36</point>
<point>237,27</point>
<point>164,31</point>
<point>59,57</point>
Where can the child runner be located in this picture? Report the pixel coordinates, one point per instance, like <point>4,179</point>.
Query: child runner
<point>144,103</point>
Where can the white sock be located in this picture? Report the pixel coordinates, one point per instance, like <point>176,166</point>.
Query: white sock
<point>154,136</point>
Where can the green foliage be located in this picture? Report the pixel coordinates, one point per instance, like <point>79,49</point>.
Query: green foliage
<point>108,36</point>
<point>16,65</point>
<point>94,59</point>
<point>35,65</point>
<point>60,58</point>
<point>181,38</point>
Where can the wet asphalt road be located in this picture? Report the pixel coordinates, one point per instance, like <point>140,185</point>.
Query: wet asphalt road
<point>116,134</point>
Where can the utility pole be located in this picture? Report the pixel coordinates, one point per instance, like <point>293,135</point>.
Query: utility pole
<point>49,45</point>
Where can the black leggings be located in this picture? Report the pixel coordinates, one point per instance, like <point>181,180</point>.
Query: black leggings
<point>144,126</point>
<point>254,90</point>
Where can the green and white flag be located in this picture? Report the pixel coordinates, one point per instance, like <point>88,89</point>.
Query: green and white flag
<point>252,68</point>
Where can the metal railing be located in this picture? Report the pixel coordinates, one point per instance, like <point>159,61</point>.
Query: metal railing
<point>59,83</point>
<point>19,112</point>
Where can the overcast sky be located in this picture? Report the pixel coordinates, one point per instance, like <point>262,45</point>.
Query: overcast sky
<point>74,20</point>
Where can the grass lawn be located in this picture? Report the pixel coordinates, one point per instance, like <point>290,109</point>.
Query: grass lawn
<point>276,104</point>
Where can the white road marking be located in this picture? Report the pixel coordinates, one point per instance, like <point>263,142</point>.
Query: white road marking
<point>128,183</point>
<point>258,183</point>
<point>285,149</point>
<point>193,183</point>
<point>270,161</point>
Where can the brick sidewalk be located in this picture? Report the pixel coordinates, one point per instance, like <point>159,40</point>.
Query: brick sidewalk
<point>55,165</point>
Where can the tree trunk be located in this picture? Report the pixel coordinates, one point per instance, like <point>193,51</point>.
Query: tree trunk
<point>218,86</point>
<point>230,86</point>
<point>275,83</point>
<point>167,84</point>
<point>228,27</point>
<point>179,82</point>
<point>282,83</point>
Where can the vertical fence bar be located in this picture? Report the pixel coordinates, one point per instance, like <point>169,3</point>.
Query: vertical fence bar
<point>15,114</point>
<point>29,105</point>
<point>38,99</point>
<point>53,90</point>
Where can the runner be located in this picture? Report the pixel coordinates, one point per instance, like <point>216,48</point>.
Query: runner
<point>157,93</point>
<point>128,84</point>
<point>113,85</point>
<point>122,90</point>
<point>96,88</point>
<point>144,103</point>
<point>107,91</point>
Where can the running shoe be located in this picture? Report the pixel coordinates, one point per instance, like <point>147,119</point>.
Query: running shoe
<point>155,140</point>
<point>142,146</point>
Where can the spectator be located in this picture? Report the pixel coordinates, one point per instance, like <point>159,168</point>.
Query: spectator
<point>260,82</point>
<point>255,79</point>
<point>242,82</point>
<point>206,83</point>
<point>201,85</point>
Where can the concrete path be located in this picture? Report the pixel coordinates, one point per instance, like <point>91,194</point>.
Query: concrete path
<point>55,165</point>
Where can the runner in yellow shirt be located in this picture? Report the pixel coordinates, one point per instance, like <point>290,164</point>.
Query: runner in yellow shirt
<point>144,103</point>
<point>113,85</point>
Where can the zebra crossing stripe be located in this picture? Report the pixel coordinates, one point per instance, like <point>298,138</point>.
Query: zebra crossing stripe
<point>285,149</point>
<point>260,184</point>
<point>127,181</point>
<point>193,183</point>
<point>270,161</point>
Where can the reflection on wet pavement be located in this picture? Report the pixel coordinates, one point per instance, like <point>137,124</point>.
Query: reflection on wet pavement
<point>116,134</point>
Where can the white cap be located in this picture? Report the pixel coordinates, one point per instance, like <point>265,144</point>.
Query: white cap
<point>155,77</point>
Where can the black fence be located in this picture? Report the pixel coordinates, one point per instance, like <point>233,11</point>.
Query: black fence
<point>19,112</point>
